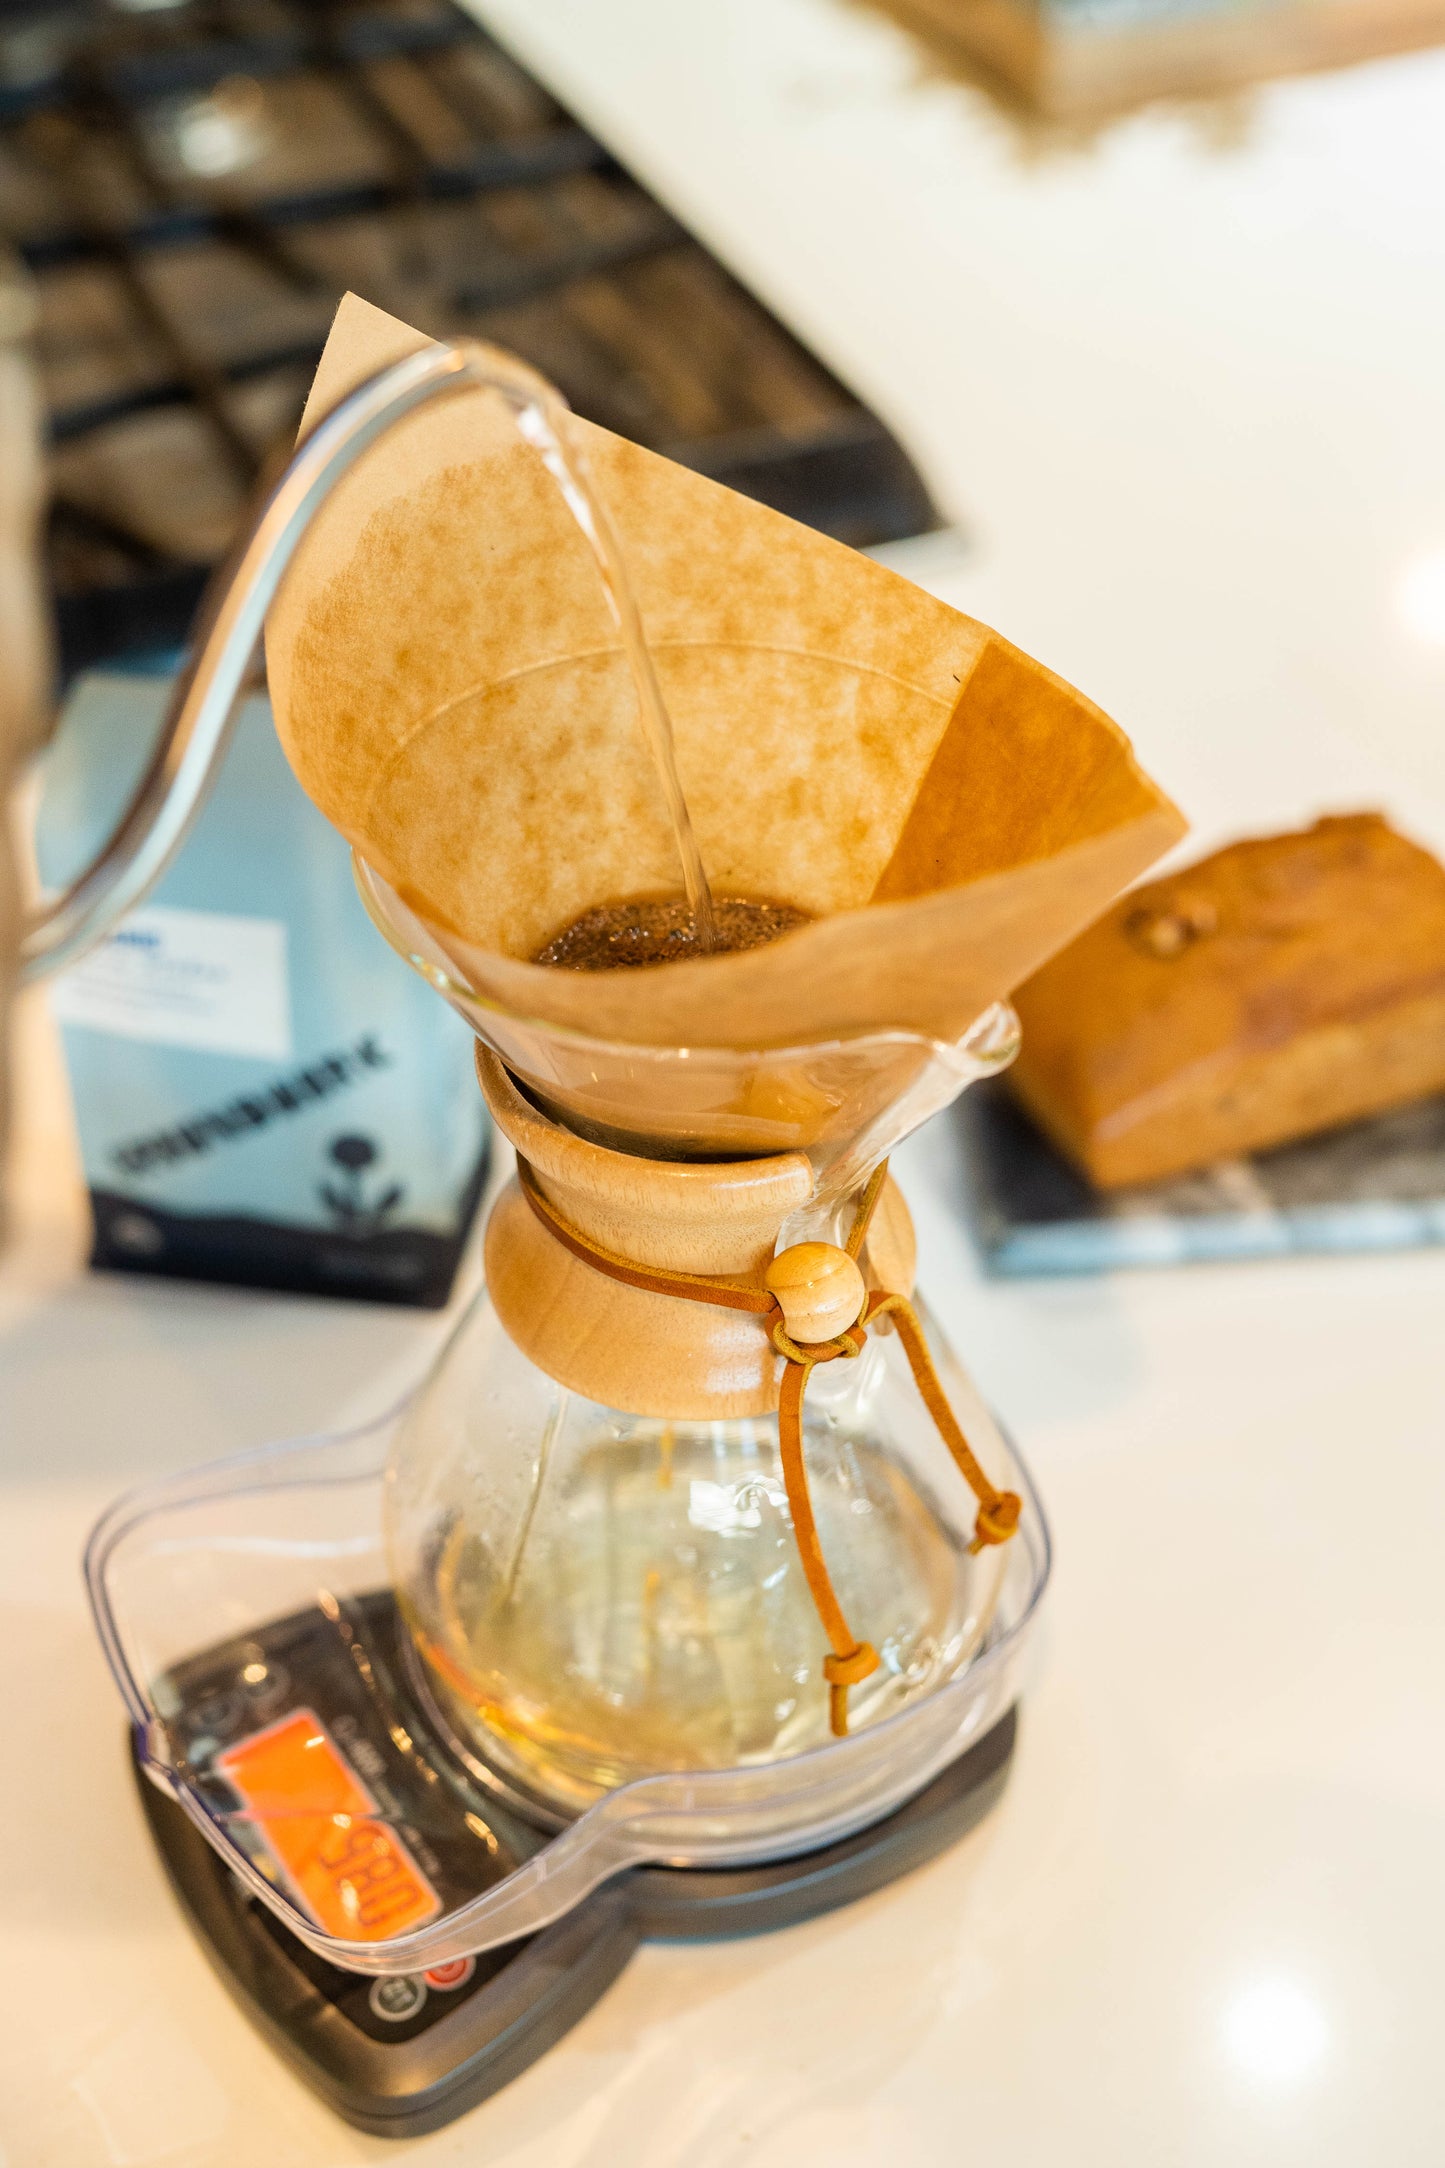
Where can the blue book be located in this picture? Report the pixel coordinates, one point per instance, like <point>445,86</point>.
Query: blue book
<point>1376,1185</point>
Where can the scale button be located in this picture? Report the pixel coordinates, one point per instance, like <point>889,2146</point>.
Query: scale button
<point>452,1975</point>
<point>217,1713</point>
<point>397,1999</point>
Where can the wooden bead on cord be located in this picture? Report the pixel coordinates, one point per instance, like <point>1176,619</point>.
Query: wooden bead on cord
<point>819,1289</point>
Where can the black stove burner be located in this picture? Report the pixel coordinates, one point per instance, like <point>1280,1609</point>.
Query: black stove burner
<point>405,2054</point>
<point>195,185</point>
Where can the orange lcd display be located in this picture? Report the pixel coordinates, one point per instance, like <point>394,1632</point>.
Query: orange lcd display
<point>352,1873</point>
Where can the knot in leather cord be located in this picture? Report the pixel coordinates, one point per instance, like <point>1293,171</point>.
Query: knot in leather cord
<point>842,1671</point>
<point>998,1518</point>
<point>852,1669</point>
<point>849,1660</point>
<point>848,1344</point>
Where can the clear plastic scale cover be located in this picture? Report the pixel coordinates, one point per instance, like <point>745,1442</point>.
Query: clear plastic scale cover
<point>249,1614</point>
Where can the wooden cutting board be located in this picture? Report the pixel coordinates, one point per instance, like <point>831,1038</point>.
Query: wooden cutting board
<point>1076,59</point>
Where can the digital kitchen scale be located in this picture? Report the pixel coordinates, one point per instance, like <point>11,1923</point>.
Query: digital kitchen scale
<point>398,2055</point>
<point>406,1927</point>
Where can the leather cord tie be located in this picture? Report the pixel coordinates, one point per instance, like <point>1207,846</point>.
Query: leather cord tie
<point>849,1660</point>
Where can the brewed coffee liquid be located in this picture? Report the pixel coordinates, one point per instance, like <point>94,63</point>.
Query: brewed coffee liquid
<point>615,936</point>
<point>655,1614</point>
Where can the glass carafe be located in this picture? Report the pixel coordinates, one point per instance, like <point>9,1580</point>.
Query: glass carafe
<point>601,1596</point>
<point>588,1523</point>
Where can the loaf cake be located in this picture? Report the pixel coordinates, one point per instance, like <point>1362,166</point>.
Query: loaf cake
<point>1283,986</point>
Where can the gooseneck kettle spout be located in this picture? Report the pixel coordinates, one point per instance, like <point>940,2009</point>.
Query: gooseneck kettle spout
<point>203,704</point>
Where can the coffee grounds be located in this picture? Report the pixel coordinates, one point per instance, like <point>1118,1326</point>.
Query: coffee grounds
<point>624,935</point>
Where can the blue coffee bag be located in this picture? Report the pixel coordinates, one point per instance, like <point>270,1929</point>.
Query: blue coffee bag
<point>264,1093</point>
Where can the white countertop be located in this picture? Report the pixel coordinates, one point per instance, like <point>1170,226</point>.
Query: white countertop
<point>1182,390</point>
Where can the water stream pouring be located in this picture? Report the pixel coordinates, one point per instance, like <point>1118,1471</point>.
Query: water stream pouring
<point>698,1549</point>
<point>542,419</point>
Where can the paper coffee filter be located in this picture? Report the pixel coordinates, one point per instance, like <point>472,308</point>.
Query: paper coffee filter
<point>451,691</point>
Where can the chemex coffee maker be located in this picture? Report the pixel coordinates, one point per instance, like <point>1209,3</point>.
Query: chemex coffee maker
<point>689,1593</point>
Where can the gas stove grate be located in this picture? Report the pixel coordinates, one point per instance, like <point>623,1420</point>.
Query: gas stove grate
<point>193,187</point>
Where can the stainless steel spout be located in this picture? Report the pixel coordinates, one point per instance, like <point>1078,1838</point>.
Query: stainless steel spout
<point>203,704</point>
